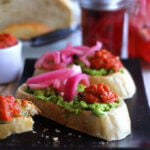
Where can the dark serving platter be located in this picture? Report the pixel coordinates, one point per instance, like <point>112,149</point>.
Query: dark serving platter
<point>48,134</point>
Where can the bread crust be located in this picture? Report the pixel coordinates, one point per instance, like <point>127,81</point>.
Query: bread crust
<point>110,126</point>
<point>120,83</point>
<point>20,124</point>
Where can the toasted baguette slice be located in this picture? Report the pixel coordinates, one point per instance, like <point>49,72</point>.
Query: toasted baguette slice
<point>20,124</point>
<point>120,83</point>
<point>114,125</point>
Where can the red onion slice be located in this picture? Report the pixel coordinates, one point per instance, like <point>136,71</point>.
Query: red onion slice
<point>71,85</point>
<point>55,78</point>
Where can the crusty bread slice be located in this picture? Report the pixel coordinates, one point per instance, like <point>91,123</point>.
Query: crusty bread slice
<point>120,83</point>
<point>27,30</point>
<point>55,14</point>
<point>114,125</point>
<point>20,124</point>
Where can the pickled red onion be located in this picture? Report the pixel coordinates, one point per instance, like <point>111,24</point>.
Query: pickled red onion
<point>68,45</point>
<point>64,80</point>
<point>50,61</point>
<point>56,78</point>
<point>39,62</point>
<point>94,48</point>
<point>60,59</point>
<point>85,61</point>
<point>60,74</point>
<point>56,57</point>
<point>82,48</point>
<point>91,51</point>
<point>71,85</point>
<point>48,66</point>
<point>68,53</point>
<point>40,85</point>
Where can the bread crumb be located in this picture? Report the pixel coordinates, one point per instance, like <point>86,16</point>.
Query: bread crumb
<point>34,131</point>
<point>55,139</point>
<point>42,135</point>
<point>47,137</point>
<point>70,134</point>
<point>45,130</point>
<point>57,131</point>
<point>102,143</point>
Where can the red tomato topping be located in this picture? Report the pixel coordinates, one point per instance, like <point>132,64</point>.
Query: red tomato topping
<point>99,93</point>
<point>24,102</point>
<point>9,107</point>
<point>104,59</point>
<point>7,40</point>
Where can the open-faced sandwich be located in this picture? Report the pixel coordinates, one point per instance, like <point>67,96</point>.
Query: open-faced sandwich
<point>15,115</point>
<point>98,63</point>
<point>65,96</point>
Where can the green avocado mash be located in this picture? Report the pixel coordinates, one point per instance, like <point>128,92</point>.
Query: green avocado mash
<point>76,105</point>
<point>95,72</point>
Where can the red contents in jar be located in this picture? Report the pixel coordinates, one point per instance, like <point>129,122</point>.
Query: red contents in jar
<point>7,40</point>
<point>104,26</point>
<point>139,30</point>
<point>9,108</point>
<point>99,93</point>
<point>139,43</point>
<point>104,59</point>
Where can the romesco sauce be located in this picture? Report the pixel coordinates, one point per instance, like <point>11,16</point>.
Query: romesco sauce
<point>104,59</point>
<point>99,93</point>
<point>7,40</point>
<point>9,108</point>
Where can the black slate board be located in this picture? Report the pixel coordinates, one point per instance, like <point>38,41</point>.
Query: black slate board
<point>46,130</point>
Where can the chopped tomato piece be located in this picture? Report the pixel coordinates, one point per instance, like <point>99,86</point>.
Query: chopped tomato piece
<point>99,93</point>
<point>9,107</point>
<point>104,59</point>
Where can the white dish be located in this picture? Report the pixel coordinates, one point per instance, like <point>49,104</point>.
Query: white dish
<point>10,63</point>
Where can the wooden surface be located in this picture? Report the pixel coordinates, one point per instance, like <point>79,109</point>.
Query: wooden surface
<point>8,88</point>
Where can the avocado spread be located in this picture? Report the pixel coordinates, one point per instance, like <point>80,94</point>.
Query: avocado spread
<point>95,72</point>
<point>76,105</point>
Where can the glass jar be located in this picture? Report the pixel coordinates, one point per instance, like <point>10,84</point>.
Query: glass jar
<point>139,30</point>
<point>104,20</point>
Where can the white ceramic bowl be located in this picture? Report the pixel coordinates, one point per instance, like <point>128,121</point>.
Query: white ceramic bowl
<point>10,63</point>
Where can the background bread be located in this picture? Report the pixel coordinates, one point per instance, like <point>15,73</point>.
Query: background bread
<point>26,31</point>
<point>111,126</point>
<point>55,14</point>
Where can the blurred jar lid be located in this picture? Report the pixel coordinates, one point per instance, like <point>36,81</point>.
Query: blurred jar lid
<point>104,4</point>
